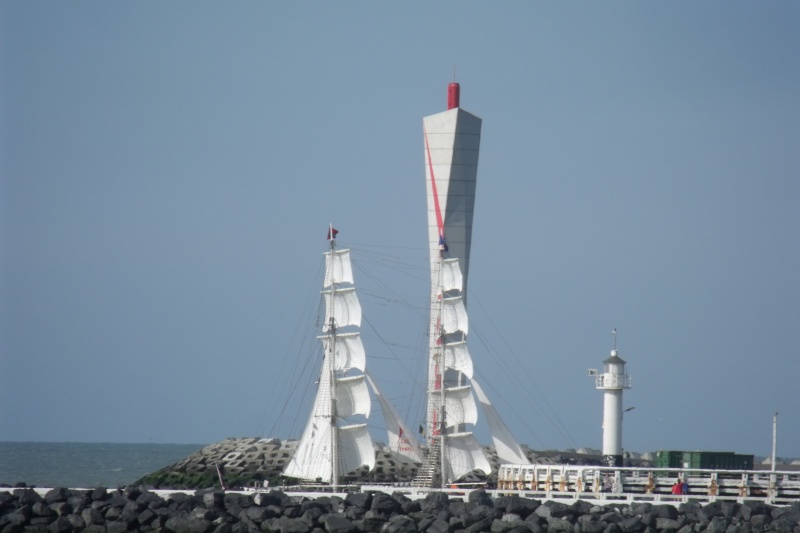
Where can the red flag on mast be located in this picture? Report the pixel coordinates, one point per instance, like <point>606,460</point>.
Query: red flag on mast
<point>332,233</point>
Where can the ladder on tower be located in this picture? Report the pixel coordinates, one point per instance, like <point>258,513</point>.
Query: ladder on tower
<point>427,474</point>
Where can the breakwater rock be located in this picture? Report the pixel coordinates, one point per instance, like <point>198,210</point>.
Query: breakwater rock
<point>248,462</point>
<point>207,511</point>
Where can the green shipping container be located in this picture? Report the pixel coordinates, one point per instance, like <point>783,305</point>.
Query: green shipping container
<point>703,460</point>
<point>669,459</point>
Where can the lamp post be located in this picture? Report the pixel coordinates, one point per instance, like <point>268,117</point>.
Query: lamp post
<point>774,439</point>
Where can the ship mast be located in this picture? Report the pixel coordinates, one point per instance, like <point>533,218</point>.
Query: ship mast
<point>440,378</point>
<point>331,355</point>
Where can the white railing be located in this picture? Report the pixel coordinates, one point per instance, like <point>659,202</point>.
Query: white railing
<point>646,484</point>
<point>612,381</point>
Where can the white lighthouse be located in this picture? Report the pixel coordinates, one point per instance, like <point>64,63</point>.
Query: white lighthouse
<point>612,381</point>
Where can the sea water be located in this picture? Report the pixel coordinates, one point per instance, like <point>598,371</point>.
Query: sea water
<point>85,465</point>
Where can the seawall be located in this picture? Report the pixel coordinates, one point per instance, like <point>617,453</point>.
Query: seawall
<point>206,511</point>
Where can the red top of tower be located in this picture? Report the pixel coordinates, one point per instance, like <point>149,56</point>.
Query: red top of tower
<point>453,95</point>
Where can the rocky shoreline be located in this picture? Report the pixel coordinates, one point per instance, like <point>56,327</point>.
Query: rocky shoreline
<point>215,511</point>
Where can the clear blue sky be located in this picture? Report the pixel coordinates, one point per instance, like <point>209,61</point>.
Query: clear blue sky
<point>168,171</point>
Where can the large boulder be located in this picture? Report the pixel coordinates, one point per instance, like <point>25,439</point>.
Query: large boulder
<point>401,524</point>
<point>385,505</point>
<point>336,524</point>
<point>435,502</point>
<point>361,500</point>
<point>56,495</point>
<point>665,511</point>
<point>480,497</point>
<point>520,506</point>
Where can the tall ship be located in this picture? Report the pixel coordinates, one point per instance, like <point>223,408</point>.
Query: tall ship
<point>336,440</point>
<point>331,447</point>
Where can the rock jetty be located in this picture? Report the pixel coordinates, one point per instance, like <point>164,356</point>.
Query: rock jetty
<point>215,511</point>
<point>248,462</point>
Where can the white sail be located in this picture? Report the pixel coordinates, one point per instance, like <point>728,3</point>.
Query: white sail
<point>463,455</point>
<point>338,268</point>
<point>454,315</point>
<point>312,458</point>
<point>508,449</point>
<point>349,351</point>
<point>355,448</point>
<point>456,357</point>
<point>343,306</point>
<point>460,407</point>
<point>401,441</point>
<point>451,275</point>
<point>352,397</point>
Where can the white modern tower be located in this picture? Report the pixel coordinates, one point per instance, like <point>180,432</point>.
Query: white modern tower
<point>612,381</point>
<point>451,145</point>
